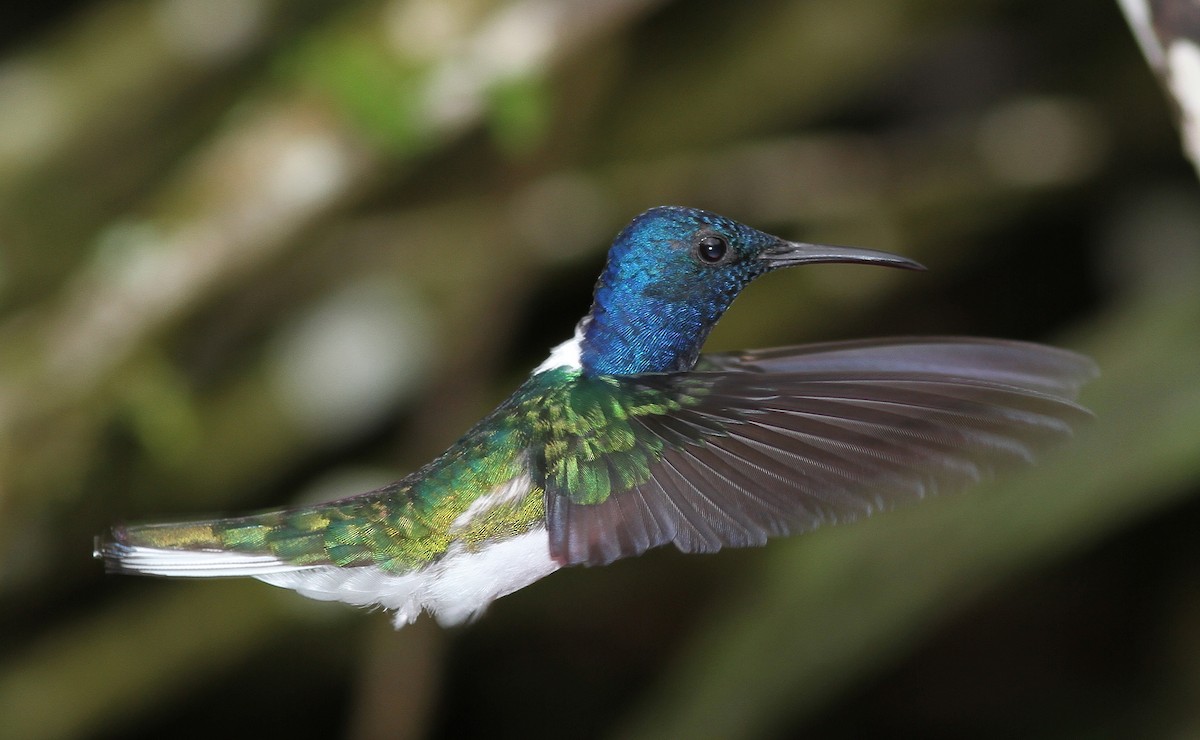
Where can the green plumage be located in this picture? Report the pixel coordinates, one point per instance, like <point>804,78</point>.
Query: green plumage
<point>587,428</point>
<point>579,435</point>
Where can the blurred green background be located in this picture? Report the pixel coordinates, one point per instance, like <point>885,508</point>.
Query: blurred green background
<point>254,252</point>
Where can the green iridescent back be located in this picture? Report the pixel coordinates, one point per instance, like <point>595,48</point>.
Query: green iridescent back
<point>578,435</point>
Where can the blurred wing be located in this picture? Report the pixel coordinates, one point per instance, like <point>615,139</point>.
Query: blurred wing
<point>776,442</point>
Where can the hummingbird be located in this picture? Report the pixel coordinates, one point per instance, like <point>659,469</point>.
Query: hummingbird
<point>628,438</point>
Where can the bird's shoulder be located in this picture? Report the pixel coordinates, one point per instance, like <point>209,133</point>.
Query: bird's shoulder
<point>589,435</point>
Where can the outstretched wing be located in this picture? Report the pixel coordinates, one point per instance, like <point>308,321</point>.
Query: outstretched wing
<point>759,444</point>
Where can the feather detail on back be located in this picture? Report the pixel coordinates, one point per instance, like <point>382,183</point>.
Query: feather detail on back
<point>493,547</point>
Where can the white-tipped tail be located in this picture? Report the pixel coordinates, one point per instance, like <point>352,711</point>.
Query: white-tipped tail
<point>454,589</point>
<point>155,561</point>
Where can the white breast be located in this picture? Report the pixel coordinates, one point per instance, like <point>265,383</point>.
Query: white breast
<point>455,589</point>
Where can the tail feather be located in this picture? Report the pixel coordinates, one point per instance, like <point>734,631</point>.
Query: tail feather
<point>455,589</point>
<point>281,541</point>
<point>188,550</point>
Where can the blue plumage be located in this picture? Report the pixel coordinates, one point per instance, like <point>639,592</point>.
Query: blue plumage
<point>658,297</point>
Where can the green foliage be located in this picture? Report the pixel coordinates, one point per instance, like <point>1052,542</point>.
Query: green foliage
<point>379,93</point>
<point>520,114</point>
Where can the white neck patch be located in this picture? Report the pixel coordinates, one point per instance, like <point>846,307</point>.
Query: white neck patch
<point>566,354</point>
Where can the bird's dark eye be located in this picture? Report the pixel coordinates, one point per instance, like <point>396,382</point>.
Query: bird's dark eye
<point>711,249</point>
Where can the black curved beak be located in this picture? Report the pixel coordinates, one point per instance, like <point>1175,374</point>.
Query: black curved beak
<point>786,254</point>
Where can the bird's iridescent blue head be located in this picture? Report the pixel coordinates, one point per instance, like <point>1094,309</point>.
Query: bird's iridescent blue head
<point>671,274</point>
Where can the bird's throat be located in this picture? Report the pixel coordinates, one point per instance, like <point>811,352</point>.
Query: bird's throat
<point>646,336</point>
